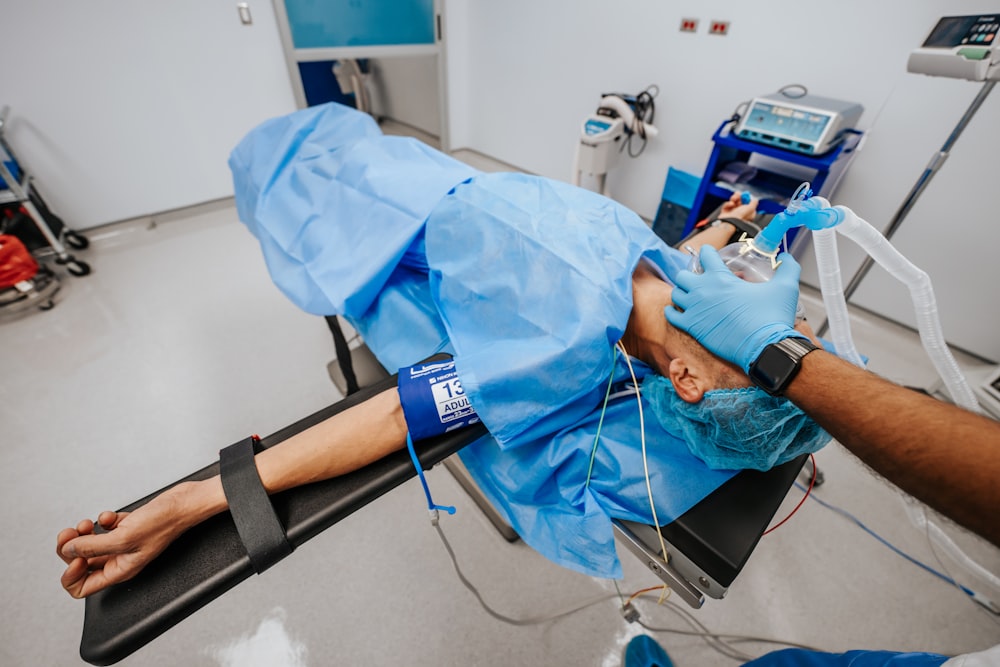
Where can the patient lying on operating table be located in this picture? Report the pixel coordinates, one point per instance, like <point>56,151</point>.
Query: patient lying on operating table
<point>550,298</point>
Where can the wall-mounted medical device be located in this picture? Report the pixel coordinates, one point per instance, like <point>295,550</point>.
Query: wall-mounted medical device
<point>808,124</point>
<point>609,131</point>
<point>960,47</point>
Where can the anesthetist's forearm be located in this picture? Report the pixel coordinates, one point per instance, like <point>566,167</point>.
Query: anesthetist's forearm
<point>943,455</point>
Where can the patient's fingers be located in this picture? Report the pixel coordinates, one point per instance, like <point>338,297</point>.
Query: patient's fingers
<point>80,581</point>
<point>734,207</point>
<point>72,579</point>
<point>64,536</point>
<point>110,520</point>
<point>113,554</point>
<point>95,546</point>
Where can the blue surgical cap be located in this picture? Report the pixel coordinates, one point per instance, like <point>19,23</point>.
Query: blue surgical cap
<point>734,429</point>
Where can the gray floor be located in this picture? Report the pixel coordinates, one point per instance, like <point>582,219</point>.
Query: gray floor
<point>178,344</point>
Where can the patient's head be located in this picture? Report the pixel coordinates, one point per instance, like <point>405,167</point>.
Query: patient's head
<point>710,403</point>
<point>672,353</point>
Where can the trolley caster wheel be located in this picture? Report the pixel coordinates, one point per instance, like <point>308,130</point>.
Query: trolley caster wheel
<point>76,240</point>
<point>48,305</point>
<point>77,268</point>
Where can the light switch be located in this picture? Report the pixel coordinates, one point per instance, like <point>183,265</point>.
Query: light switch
<point>244,10</point>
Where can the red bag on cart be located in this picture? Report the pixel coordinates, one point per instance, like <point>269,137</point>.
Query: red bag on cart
<point>16,263</point>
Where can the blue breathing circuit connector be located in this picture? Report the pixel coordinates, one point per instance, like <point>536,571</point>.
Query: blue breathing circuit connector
<point>745,197</point>
<point>432,508</point>
<point>800,212</point>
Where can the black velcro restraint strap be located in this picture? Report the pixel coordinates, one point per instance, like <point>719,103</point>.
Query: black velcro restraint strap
<point>256,522</point>
<point>748,227</point>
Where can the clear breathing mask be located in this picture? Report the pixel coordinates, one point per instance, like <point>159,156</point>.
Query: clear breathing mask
<point>755,259</point>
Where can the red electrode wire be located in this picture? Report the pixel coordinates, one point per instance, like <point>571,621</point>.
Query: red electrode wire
<point>812,482</point>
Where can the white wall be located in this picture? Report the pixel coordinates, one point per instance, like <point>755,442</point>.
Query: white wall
<point>124,109</point>
<point>530,71</point>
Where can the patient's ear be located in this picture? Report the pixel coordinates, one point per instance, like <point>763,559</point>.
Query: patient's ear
<point>688,380</point>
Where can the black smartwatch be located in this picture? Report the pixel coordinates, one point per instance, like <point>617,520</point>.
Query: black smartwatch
<point>778,364</point>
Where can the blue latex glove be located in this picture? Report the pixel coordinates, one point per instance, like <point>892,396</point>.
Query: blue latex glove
<point>730,317</point>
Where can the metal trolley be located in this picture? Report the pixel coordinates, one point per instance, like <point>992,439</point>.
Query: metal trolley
<point>38,292</point>
<point>19,199</point>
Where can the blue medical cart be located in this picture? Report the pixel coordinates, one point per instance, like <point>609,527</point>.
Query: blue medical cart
<point>773,189</point>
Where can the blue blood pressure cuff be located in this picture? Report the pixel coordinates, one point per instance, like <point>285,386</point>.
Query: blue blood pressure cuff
<point>433,399</point>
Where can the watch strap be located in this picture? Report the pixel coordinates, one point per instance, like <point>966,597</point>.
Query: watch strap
<point>796,347</point>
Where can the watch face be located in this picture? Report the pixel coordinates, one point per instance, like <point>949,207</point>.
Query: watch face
<point>773,369</point>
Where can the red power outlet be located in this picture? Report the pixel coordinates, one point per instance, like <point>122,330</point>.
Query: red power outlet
<point>689,25</point>
<point>719,28</point>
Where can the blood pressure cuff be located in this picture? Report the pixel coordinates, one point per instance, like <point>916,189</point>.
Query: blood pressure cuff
<point>433,399</point>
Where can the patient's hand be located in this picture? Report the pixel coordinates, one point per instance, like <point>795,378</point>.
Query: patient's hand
<point>96,561</point>
<point>734,209</point>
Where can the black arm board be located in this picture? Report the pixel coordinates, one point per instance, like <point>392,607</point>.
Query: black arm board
<point>209,559</point>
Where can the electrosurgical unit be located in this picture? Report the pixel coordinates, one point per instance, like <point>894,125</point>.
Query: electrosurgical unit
<point>808,124</point>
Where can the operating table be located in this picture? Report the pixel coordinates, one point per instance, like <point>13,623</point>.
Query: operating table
<point>707,546</point>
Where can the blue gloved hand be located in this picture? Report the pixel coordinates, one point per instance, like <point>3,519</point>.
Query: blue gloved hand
<point>732,318</point>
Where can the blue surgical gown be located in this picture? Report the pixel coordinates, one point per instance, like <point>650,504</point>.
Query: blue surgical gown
<point>525,280</point>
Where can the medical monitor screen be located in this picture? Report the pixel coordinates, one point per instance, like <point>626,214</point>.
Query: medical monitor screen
<point>786,121</point>
<point>954,31</point>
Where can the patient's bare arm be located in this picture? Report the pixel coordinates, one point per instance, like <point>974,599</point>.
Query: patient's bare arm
<point>343,443</point>
<point>719,235</point>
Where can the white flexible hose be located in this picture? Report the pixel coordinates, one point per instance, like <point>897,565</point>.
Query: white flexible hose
<point>928,325</point>
<point>918,516</point>
<point>924,304</point>
<point>831,286</point>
